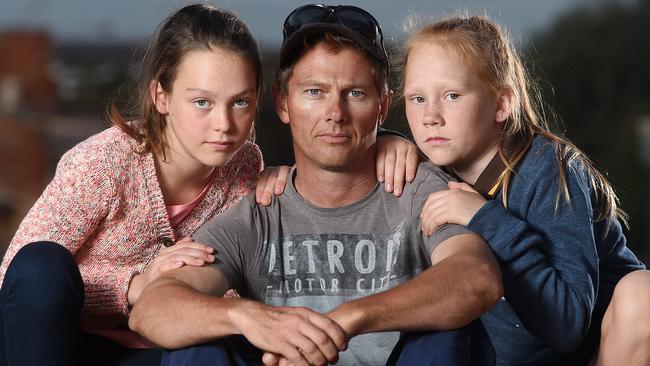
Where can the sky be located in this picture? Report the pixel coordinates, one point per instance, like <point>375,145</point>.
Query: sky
<point>134,20</point>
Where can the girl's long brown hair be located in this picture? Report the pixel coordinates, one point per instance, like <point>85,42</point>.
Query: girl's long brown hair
<point>194,27</point>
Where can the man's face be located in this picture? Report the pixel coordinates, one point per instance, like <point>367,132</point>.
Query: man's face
<point>333,108</point>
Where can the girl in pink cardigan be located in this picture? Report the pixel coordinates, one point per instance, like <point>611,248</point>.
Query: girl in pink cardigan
<point>107,223</point>
<point>124,203</point>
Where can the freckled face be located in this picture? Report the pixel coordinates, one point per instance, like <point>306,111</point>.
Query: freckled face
<point>450,110</point>
<point>333,108</point>
<point>210,108</point>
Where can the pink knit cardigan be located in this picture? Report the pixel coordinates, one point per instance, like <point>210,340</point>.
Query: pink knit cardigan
<point>105,205</point>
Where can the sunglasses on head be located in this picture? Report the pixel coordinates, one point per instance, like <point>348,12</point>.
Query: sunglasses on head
<point>348,16</point>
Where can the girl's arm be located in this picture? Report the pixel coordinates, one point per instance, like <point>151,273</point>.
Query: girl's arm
<point>548,257</point>
<point>272,181</point>
<point>397,161</point>
<point>71,206</point>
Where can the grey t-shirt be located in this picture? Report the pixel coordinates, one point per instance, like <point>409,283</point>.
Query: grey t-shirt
<point>293,253</point>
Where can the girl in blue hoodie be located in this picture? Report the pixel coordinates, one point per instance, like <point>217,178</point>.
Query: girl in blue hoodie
<point>572,295</point>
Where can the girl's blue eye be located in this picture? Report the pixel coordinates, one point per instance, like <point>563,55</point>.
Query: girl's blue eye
<point>453,96</point>
<point>418,99</point>
<point>241,103</point>
<point>201,103</point>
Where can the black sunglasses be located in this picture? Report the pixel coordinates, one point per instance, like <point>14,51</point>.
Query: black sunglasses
<point>348,16</point>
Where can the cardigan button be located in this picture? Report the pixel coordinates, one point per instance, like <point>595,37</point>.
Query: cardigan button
<point>167,242</point>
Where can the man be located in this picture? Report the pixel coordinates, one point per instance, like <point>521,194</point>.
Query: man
<point>335,263</point>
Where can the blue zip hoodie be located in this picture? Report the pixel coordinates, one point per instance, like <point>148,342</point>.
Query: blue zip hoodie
<point>559,266</point>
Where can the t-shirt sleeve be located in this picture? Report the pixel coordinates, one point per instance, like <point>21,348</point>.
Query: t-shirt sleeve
<point>233,235</point>
<point>434,181</point>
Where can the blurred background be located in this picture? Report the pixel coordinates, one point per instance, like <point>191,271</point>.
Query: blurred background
<point>62,62</point>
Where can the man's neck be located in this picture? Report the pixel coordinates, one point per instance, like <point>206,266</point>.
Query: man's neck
<point>331,189</point>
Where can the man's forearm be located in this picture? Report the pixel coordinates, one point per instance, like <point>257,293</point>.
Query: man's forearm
<point>172,314</point>
<point>448,295</point>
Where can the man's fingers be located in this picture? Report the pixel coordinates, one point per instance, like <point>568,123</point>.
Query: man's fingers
<point>289,333</point>
<point>331,329</point>
<point>321,339</point>
<point>326,345</point>
<point>310,350</point>
<point>270,359</point>
<point>294,354</point>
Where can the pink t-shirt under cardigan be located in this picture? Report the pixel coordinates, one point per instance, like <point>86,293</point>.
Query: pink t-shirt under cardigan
<point>131,339</point>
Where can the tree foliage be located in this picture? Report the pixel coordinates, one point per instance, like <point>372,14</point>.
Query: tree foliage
<point>593,66</point>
